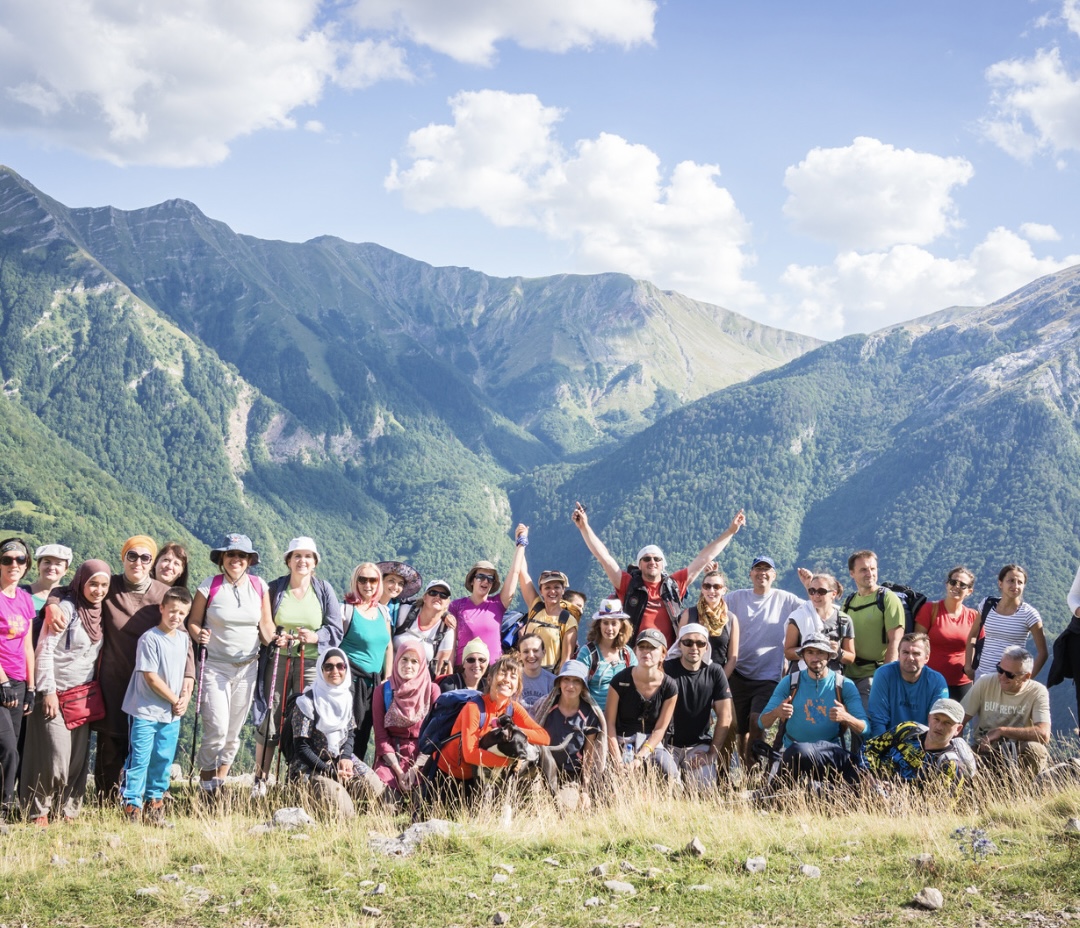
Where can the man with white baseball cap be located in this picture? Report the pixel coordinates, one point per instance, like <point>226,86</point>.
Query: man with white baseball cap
<point>703,689</point>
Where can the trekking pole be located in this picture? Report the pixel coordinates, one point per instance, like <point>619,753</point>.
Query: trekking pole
<point>273,684</point>
<point>198,706</point>
<point>284,700</point>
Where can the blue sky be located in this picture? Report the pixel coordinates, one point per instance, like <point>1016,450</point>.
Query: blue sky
<point>828,167</point>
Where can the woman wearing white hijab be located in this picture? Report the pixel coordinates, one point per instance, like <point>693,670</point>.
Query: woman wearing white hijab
<point>324,727</point>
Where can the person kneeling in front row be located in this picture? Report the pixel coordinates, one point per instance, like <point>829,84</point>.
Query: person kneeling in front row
<point>921,753</point>
<point>816,707</point>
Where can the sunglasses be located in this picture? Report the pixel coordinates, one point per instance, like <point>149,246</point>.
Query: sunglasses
<point>687,643</point>
<point>133,557</point>
<point>475,660</point>
<point>1008,676</point>
<point>960,585</point>
<point>713,586</point>
<point>8,559</point>
<point>335,667</point>
<point>484,578</point>
<point>438,594</point>
<point>651,559</point>
<point>368,579</point>
<point>817,590</point>
<point>243,554</point>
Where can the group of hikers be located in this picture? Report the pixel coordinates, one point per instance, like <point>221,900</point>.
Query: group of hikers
<point>875,686</point>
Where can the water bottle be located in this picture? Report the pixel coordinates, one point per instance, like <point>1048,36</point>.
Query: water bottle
<point>628,752</point>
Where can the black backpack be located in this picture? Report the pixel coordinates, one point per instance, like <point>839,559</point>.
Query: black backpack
<point>911,600</point>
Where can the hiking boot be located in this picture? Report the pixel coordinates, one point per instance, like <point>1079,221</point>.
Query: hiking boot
<point>258,788</point>
<point>132,813</point>
<point>155,813</point>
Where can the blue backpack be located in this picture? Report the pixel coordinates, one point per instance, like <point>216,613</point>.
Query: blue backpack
<point>436,731</point>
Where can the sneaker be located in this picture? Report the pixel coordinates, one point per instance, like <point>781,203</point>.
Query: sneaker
<point>41,821</point>
<point>258,788</point>
<point>155,812</point>
<point>132,813</point>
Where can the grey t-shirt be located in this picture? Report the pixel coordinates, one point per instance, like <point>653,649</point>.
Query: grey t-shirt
<point>535,688</point>
<point>165,655</point>
<point>761,631</point>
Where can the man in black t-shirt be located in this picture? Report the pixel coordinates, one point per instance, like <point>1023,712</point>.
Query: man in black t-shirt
<point>703,690</point>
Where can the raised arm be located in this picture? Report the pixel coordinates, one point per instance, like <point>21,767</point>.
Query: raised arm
<point>714,547</point>
<point>529,592</point>
<point>509,590</point>
<point>597,547</point>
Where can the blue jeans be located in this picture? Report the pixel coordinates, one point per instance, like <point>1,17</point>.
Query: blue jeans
<point>819,758</point>
<point>150,757</point>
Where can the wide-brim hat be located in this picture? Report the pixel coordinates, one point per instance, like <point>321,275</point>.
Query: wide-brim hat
<point>234,541</point>
<point>302,543</point>
<point>487,567</point>
<point>410,575</point>
<point>579,670</point>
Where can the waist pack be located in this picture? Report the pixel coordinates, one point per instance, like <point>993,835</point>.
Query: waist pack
<point>81,704</point>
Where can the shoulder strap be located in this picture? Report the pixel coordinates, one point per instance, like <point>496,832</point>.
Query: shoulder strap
<point>594,654</point>
<point>257,585</point>
<point>989,603</point>
<point>626,653</point>
<point>215,585</point>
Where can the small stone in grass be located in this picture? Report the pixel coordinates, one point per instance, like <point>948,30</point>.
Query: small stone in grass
<point>929,898</point>
<point>756,864</point>
<point>618,886</point>
<point>695,848</point>
<point>501,918</point>
<point>57,861</point>
<point>924,863</point>
<point>499,878</point>
<point>599,870</point>
<point>593,901</point>
<point>506,868</point>
<point>810,872</point>
<point>379,890</point>
<point>471,896</point>
<point>1072,826</point>
<point>147,891</point>
<point>197,868</point>
<point>370,911</point>
<point>661,849</point>
<point>169,878</point>
<point>551,862</point>
<point>628,867</point>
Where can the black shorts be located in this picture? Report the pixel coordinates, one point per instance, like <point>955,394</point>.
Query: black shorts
<point>749,698</point>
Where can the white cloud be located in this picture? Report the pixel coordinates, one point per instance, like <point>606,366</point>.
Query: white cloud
<point>606,196</point>
<point>174,82</point>
<point>1039,232</point>
<point>863,292</point>
<point>313,125</point>
<point>870,195</point>
<point>1035,103</point>
<point>467,30</point>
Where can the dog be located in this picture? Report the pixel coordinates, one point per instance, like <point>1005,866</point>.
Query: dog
<point>507,740</point>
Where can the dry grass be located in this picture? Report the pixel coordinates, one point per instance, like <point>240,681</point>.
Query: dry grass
<point>863,847</point>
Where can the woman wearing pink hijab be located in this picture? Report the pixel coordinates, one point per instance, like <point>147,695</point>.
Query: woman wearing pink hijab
<point>399,708</point>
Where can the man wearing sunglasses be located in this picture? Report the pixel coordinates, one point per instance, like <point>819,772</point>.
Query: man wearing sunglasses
<point>651,596</point>
<point>703,689</point>
<point>1012,712</point>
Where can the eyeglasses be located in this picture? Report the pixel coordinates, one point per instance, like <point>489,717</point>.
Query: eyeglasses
<point>335,667</point>
<point>133,557</point>
<point>368,579</point>
<point>438,594</point>
<point>652,559</point>
<point>8,559</point>
<point>959,584</point>
<point>484,578</point>
<point>475,660</point>
<point>1008,676</point>
<point>713,586</point>
<point>817,590</point>
<point>687,643</point>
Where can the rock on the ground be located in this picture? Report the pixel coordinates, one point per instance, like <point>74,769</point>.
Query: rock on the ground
<point>661,848</point>
<point>370,911</point>
<point>1072,826</point>
<point>501,918</point>
<point>628,867</point>
<point>169,878</point>
<point>410,839</point>
<point>695,848</point>
<point>147,891</point>
<point>929,898</point>
<point>620,888</point>
<point>506,868</point>
<point>57,861</point>
<point>551,862</point>
<point>292,817</point>
<point>499,878</point>
<point>924,863</point>
<point>197,868</point>
<point>599,870</point>
<point>593,901</point>
<point>810,872</point>
<point>756,864</point>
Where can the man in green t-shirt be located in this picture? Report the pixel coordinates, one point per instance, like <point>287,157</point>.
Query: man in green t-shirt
<point>878,618</point>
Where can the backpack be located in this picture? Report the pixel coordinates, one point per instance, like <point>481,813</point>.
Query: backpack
<point>438,725</point>
<point>989,603</point>
<point>594,654</point>
<point>218,579</point>
<point>637,598</point>
<point>510,629</point>
<point>910,600</point>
